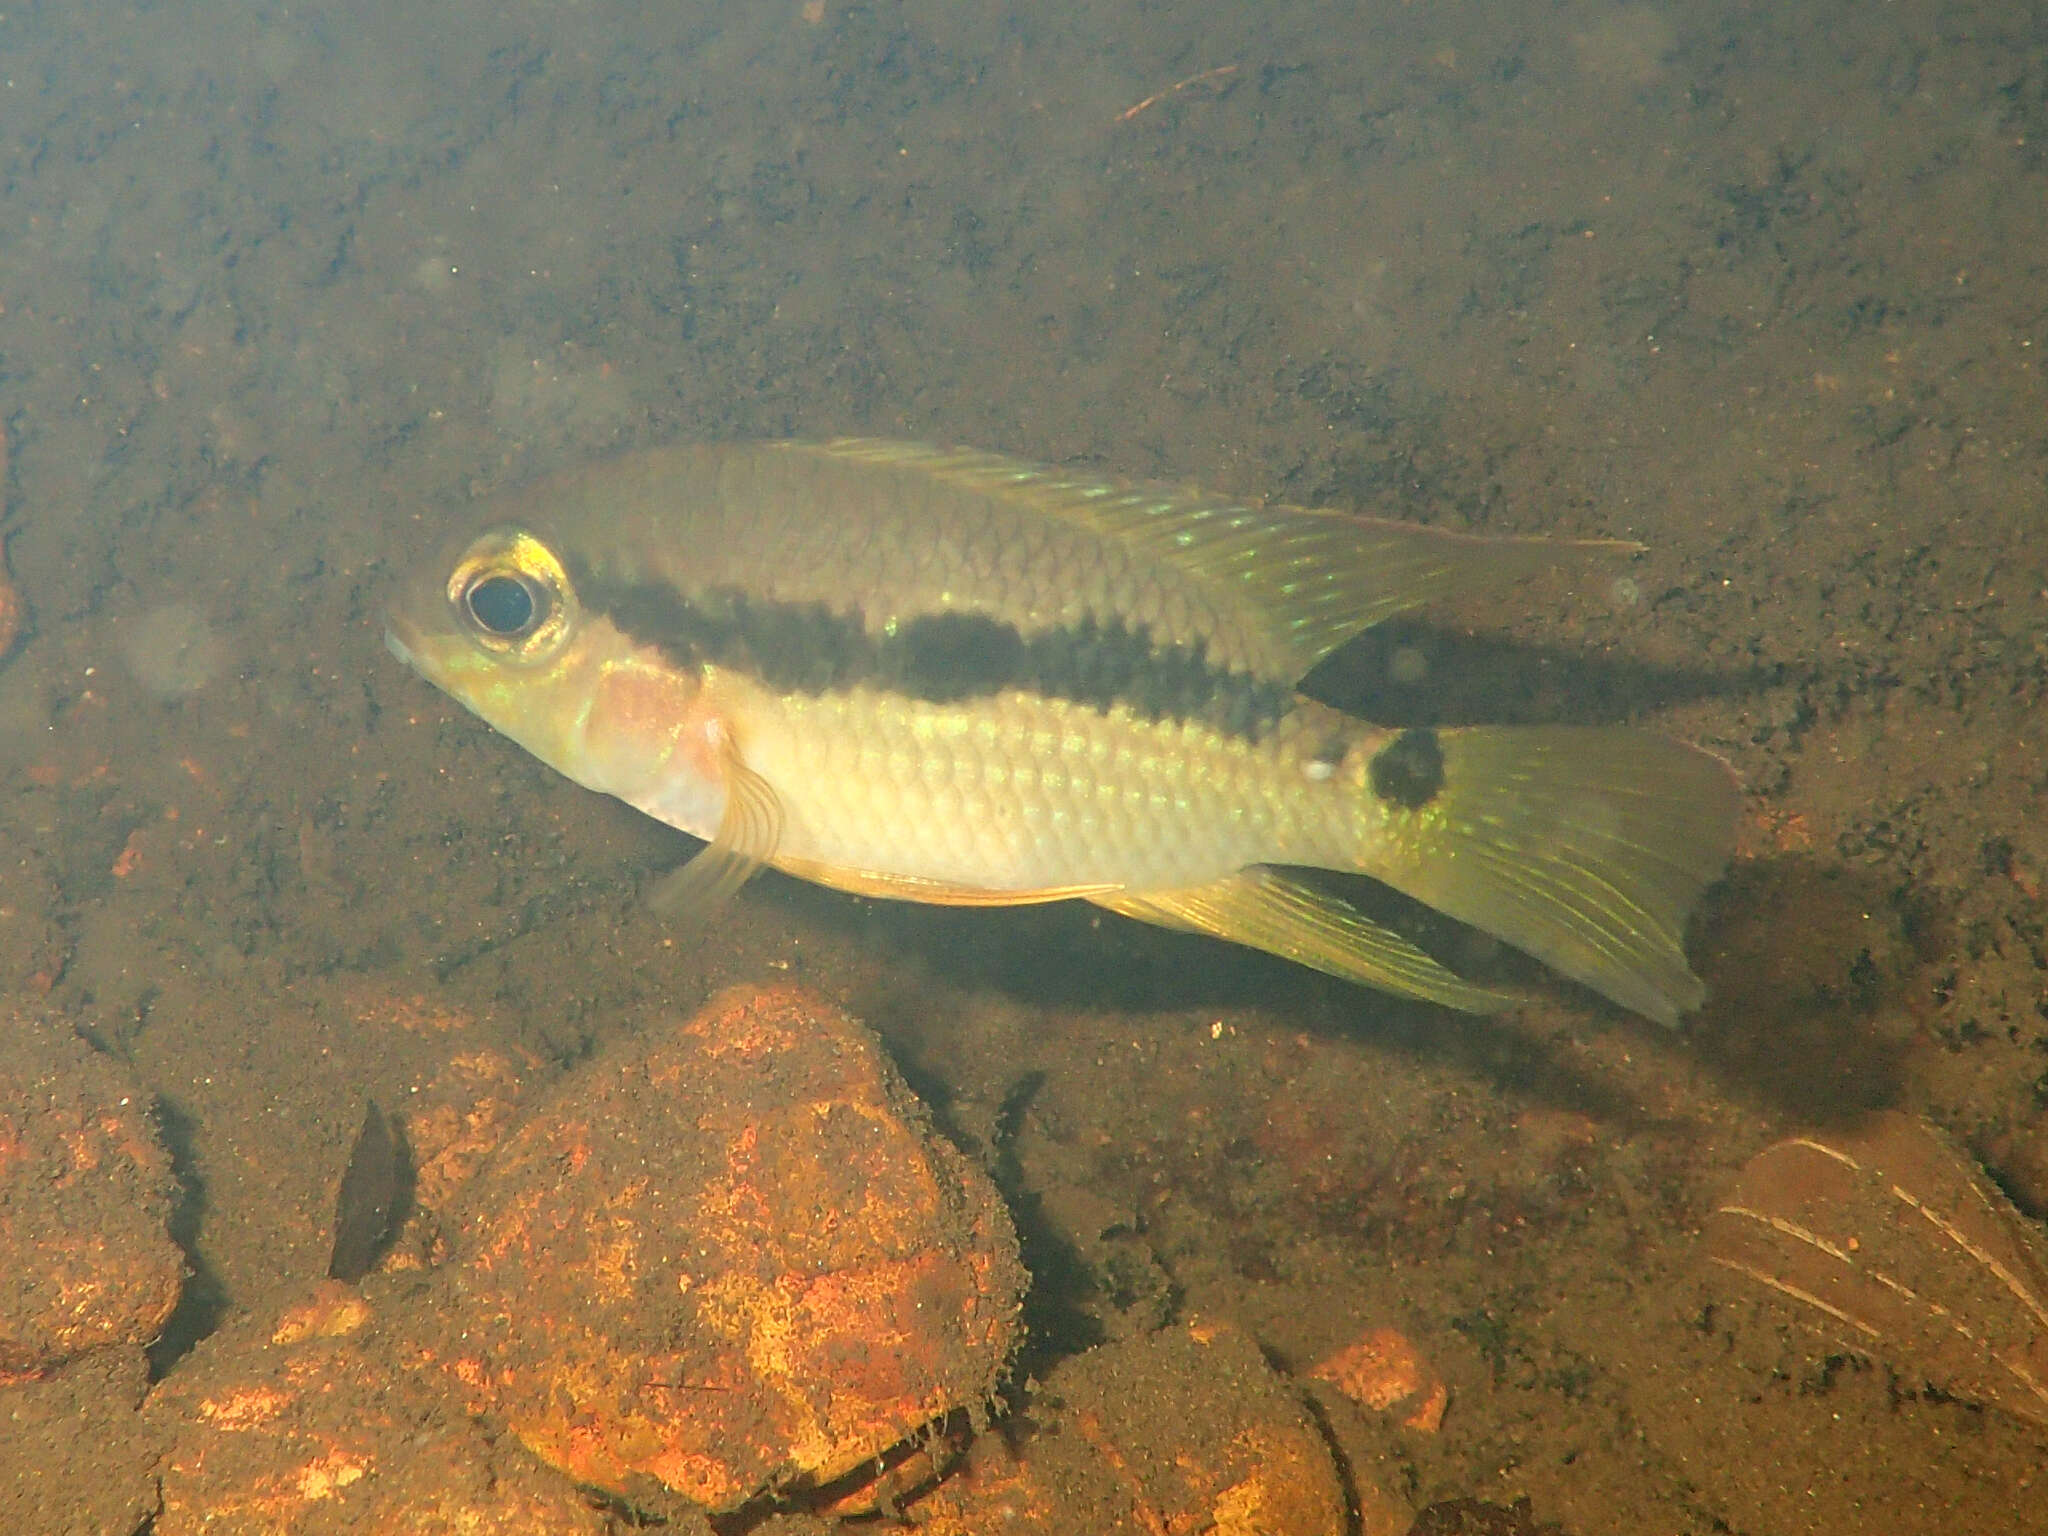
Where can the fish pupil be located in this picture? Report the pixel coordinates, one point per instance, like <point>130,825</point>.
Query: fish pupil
<point>501,605</point>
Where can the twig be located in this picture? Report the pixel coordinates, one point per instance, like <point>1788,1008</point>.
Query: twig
<point>1156,97</point>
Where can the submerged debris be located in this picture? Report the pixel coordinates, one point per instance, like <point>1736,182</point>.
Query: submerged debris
<point>1891,1241</point>
<point>365,1209</point>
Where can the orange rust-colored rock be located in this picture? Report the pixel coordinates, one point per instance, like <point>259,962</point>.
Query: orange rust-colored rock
<point>85,1193</point>
<point>733,1259</point>
<point>334,1311</point>
<point>278,1429</point>
<point>1185,1430</point>
<point>455,1121</point>
<point>451,1125</point>
<point>75,1454</point>
<point>11,616</point>
<point>1383,1371</point>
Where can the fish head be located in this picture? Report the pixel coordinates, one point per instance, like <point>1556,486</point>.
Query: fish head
<point>498,626</point>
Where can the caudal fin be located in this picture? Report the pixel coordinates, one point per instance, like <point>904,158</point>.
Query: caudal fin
<point>1584,846</point>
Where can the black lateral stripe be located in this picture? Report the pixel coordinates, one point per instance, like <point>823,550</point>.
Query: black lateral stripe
<point>942,658</point>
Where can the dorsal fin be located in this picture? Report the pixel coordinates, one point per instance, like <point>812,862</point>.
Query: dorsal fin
<point>1315,577</point>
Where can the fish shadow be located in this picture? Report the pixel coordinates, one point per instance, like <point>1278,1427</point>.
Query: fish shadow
<point>1811,971</point>
<point>1068,958</point>
<point>1816,976</point>
<point>1411,673</point>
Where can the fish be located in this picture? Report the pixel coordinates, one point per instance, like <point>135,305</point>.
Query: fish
<point>943,675</point>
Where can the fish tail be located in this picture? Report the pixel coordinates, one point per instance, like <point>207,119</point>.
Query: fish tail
<point>1586,847</point>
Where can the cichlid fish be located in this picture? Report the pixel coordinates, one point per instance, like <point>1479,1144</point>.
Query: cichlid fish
<point>949,676</point>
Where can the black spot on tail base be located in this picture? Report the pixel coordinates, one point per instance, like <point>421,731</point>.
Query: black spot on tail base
<point>1409,770</point>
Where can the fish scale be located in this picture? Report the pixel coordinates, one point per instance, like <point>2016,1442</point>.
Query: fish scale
<point>1022,794</point>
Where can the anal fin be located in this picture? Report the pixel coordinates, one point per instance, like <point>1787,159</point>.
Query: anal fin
<point>1265,909</point>
<point>942,893</point>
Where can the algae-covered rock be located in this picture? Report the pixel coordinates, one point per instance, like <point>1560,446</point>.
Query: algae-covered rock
<point>733,1258</point>
<point>86,1258</point>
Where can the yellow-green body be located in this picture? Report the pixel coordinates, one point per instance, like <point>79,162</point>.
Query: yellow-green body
<point>1017,795</point>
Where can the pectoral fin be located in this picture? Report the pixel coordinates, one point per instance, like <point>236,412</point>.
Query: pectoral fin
<point>746,839</point>
<point>1265,909</point>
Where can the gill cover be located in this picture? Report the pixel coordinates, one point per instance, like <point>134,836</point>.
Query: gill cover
<point>511,595</point>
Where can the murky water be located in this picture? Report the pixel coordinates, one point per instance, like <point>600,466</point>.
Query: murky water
<point>1760,287</point>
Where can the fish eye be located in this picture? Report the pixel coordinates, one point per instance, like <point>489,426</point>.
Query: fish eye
<point>510,595</point>
<point>504,605</point>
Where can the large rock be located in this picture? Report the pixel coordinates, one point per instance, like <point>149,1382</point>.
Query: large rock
<point>88,1276</point>
<point>1187,1429</point>
<point>86,1191</point>
<point>303,1425</point>
<point>733,1259</point>
<point>76,1459</point>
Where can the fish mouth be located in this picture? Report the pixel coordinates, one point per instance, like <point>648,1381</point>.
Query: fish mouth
<point>399,639</point>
